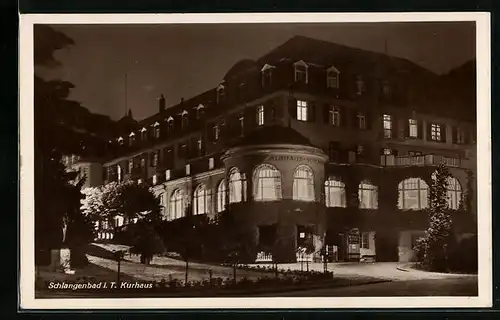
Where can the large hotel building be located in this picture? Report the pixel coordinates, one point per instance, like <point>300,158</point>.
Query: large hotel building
<point>316,141</point>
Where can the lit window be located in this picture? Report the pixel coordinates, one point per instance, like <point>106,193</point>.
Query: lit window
<point>177,204</point>
<point>334,116</point>
<point>335,193</point>
<point>236,183</point>
<point>221,196</point>
<point>361,120</point>
<point>368,195</point>
<point>301,110</point>
<point>301,72</point>
<point>200,200</point>
<point>119,173</point>
<point>303,184</point>
<point>413,194</point>
<point>215,132</point>
<point>260,115</point>
<point>332,78</point>
<point>143,162</point>
<point>387,126</point>
<point>413,128</point>
<point>267,183</point>
<point>435,132</point>
<point>454,193</point>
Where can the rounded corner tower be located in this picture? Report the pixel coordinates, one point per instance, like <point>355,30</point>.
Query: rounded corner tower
<point>275,178</point>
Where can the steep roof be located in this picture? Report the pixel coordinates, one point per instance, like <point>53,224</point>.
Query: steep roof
<point>326,54</point>
<point>270,135</point>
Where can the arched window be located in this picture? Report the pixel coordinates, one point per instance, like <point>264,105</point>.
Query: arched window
<point>454,193</point>
<point>221,196</point>
<point>335,193</point>
<point>413,194</point>
<point>368,195</point>
<point>303,184</point>
<point>177,204</point>
<point>235,186</point>
<point>267,183</point>
<point>200,199</point>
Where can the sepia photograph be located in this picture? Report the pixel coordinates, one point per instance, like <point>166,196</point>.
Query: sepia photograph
<point>249,161</point>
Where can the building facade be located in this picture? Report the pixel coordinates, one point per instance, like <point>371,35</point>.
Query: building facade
<point>314,144</point>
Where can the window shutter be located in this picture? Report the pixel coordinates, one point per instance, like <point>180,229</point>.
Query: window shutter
<point>454,134</point>
<point>343,116</point>
<point>420,129</point>
<point>292,108</point>
<point>407,128</point>
<point>368,119</point>
<point>395,127</point>
<point>326,114</point>
<point>429,126</point>
<point>311,112</point>
<point>210,132</point>
<point>443,132</point>
<point>151,158</point>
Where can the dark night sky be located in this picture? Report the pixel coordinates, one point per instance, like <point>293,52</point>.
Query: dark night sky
<point>187,59</point>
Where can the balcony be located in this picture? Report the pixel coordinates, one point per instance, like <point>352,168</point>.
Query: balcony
<point>425,160</point>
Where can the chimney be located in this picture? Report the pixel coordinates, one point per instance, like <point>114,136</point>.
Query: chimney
<point>161,103</point>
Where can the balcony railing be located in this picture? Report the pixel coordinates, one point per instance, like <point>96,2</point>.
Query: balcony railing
<point>425,160</point>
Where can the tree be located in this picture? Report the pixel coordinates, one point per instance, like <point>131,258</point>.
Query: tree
<point>433,250</point>
<point>134,202</point>
<point>62,127</point>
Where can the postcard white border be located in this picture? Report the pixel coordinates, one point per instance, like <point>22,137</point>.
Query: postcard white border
<point>27,272</point>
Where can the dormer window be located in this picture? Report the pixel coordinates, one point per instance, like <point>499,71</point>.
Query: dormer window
<point>200,109</point>
<point>267,74</point>
<point>360,86</point>
<point>156,127</point>
<point>241,120</point>
<point>144,134</point>
<point>131,138</point>
<point>120,141</point>
<point>386,90</point>
<point>221,94</point>
<point>185,120</point>
<point>301,74</point>
<point>170,124</point>
<point>332,78</point>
